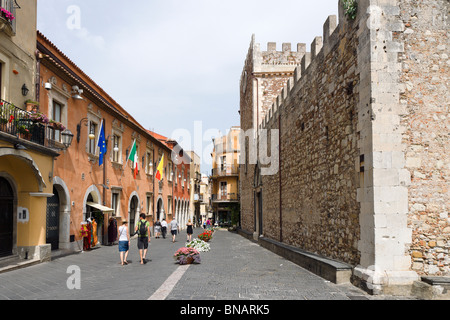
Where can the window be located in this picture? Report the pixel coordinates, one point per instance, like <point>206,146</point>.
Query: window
<point>116,156</point>
<point>169,205</point>
<point>223,163</point>
<point>115,203</point>
<point>223,189</point>
<point>1,75</point>
<point>149,204</point>
<point>57,111</point>
<point>92,130</point>
<point>149,162</point>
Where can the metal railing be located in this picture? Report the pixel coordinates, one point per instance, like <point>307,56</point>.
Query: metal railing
<point>225,197</point>
<point>23,125</point>
<point>225,170</point>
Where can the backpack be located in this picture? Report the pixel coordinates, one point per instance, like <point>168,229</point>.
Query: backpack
<point>142,231</point>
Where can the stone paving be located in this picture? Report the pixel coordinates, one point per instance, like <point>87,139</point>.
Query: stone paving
<point>234,269</point>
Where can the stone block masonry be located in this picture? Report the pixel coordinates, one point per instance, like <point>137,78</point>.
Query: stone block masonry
<point>363,125</point>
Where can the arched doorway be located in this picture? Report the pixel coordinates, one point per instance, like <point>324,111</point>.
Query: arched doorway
<point>53,209</point>
<point>134,203</point>
<point>160,210</point>
<point>6,218</point>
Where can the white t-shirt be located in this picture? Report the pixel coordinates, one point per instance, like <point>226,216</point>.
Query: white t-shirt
<point>123,231</point>
<point>173,225</point>
<point>164,223</point>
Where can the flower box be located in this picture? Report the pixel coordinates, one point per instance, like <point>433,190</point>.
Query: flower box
<point>6,14</point>
<point>205,236</point>
<point>187,256</point>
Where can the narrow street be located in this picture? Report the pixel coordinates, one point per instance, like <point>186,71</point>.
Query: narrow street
<point>234,269</point>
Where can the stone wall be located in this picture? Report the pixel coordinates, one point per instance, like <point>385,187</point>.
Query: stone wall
<point>424,77</point>
<point>363,124</point>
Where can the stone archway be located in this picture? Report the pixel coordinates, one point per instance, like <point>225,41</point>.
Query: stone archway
<point>64,214</point>
<point>6,218</point>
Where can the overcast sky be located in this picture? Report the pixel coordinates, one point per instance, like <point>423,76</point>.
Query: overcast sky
<point>171,63</point>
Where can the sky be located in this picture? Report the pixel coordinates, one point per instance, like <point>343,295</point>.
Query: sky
<point>175,65</point>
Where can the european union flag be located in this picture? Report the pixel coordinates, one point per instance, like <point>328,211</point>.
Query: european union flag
<point>101,144</point>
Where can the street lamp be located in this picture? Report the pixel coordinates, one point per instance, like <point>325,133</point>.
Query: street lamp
<point>67,137</point>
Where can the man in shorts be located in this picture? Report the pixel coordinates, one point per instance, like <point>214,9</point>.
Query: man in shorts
<point>143,231</point>
<point>174,228</point>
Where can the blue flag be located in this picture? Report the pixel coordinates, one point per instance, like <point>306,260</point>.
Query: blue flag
<point>101,144</point>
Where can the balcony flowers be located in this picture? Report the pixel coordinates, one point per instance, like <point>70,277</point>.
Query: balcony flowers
<point>199,245</point>
<point>8,15</point>
<point>57,125</point>
<point>205,236</point>
<point>187,256</point>
<point>39,117</point>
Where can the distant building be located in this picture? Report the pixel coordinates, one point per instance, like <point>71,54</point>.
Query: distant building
<point>225,194</point>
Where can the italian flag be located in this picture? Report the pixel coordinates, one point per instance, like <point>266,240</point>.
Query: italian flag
<point>159,172</point>
<point>134,157</point>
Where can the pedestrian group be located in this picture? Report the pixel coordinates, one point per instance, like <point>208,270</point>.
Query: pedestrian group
<point>142,230</point>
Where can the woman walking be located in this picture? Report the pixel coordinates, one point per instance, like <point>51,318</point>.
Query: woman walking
<point>190,230</point>
<point>124,242</point>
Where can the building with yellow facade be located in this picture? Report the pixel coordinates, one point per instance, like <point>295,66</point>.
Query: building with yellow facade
<point>26,160</point>
<point>225,178</point>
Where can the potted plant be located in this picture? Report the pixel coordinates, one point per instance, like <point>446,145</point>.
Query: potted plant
<point>205,236</point>
<point>187,256</point>
<point>39,118</point>
<point>6,14</point>
<point>32,106</point>
<point>199,245</point>
<point>57,125</point>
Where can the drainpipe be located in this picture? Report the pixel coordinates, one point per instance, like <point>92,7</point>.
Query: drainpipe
<point>38,74</point>
<point>279,173</point>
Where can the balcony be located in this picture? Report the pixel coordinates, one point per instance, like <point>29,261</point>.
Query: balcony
<point>8,17</point>
<point>226,171</point>
<point>225,197</point>
<point>28,126</point>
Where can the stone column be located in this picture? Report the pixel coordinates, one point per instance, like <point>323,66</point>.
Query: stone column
<point>383,193</point>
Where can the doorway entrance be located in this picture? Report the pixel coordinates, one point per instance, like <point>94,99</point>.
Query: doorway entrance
<point>6,218</point>
<point>53,209</point>
<point>160,210</point>
<point>133,210</point>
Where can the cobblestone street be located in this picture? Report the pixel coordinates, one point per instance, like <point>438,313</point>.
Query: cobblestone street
<point>234,269</point>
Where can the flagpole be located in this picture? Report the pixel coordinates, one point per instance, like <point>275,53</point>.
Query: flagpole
<point>98,139</point>
<point>128,157</point>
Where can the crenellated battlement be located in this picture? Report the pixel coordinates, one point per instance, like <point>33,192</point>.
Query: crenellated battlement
<point>321,45</point>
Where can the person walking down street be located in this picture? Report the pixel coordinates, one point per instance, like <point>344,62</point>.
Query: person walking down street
<point>124,242</point>
<point>208,224</point>
<point>157,229</point>
<point>164,228</point>
<point>190,230</point>
<point>204,224</point>
<point>143,230</point>
<point>174,228</point>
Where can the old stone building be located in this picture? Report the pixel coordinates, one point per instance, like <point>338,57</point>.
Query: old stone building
<point>357,129</point>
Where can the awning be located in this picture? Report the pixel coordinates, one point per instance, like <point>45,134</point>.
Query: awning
<point>100,207</point>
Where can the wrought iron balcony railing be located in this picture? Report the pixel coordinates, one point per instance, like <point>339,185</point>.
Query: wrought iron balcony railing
<point>27,126</point>
<point>225,170</point>
<point>225,197</point>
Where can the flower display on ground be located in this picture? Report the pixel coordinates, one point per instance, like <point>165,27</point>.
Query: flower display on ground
<point>187,255</point>
<point>199,245</point>
<point>205,236</point>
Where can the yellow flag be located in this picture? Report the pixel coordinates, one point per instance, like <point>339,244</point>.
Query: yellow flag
<point>159,170</point>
